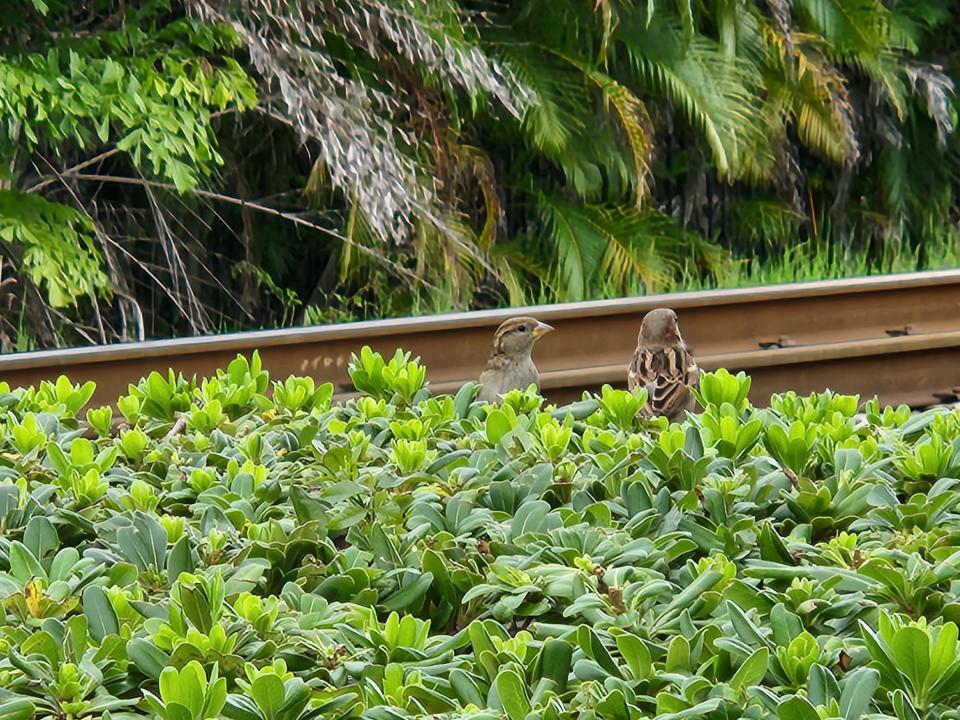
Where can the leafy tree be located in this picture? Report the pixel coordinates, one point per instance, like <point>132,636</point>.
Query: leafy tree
<point>138,91</point>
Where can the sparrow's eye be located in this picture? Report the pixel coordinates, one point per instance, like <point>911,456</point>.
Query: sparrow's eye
<point>522,328</point>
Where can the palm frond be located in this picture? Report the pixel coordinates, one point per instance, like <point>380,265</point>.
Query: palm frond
<point>911,20</point>
<point>613,248</point>
<point>635,121</point>
<point>850,27</point>
<point>446,255</point>
<point>643,248</point>
<point>937,90</point>
<point>764,222</point>
<point>813,94</point>
<point>524,255</point>
<point>553,115</point>
<point>349,120</point>
<point>894,178</point>
<point>567,126</point>
<point>717,95</point>
<point>476,167</point>
<point>685,12</point>
<point>435,36</point>
<point>578,245</point>
<point>355,119</point>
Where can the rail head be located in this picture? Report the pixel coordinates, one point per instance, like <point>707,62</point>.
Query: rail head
<point>246,341</point>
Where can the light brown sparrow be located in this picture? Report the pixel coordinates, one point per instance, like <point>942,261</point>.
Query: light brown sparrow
<point>664,366</point>
<point>510,365</point>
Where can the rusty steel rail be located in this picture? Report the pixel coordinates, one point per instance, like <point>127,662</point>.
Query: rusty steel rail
<point>895,336</point>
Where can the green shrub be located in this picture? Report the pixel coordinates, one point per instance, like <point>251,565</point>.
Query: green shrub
<point>252,551</point>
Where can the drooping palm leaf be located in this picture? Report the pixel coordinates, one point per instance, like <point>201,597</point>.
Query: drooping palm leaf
<point>611,247</point>
<point>716,94</point>
<point>578,245</point>
<point>635,122</point>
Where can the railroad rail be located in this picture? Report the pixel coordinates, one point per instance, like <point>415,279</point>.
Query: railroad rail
<point>895,336</point>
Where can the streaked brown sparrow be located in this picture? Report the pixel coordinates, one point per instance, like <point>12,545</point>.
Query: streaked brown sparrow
<point>510,365</point>
<point>664,366</point>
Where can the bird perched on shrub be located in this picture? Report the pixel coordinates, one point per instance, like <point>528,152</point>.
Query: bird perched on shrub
<point>510,365</point>
<point>664,366</point>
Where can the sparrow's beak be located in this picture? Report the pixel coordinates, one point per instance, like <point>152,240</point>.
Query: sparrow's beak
<point>541,329</point>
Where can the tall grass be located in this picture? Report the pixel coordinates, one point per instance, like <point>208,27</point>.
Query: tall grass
<point>809,261</point>
<point>805,261</point>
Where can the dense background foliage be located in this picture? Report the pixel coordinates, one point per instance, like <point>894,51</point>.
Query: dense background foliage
<point>235,548</point>
<point>182,166</point>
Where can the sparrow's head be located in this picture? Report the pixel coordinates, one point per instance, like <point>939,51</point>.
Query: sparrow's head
<point>517,335</point>
<point>660,326</point>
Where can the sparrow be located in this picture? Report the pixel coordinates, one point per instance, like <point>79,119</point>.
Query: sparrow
<point>664,366</point>
<point>510,365</point>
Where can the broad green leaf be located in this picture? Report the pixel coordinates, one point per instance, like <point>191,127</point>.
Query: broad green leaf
<point>636,655</point>
<point>268,692</point>
<point>591,644</point>
<point>678,655</point>
<point>100,613</point>
<point>17,708</point>
<point>752,671</point>
<point>859,687</point>
<point>23,565</point>
<point>513,697</point>
<point>944,651</point>
<point>555,663</point>
<point>911,652</point>
<point>148,658</point>
<point>410,594</point>
<point>40,537</point>
<point>466,689</point>
<point>497,425</point>
<point>797,708</point>
<point>180,559</point>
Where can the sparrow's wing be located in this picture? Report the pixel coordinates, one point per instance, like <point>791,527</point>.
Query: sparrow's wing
<point>666,373</point>
<point>641,371</point>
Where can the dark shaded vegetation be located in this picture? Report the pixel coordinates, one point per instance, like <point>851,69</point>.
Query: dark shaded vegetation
<point>187,167</point>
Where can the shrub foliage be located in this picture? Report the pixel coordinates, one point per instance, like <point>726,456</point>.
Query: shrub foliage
<point>231,547</point>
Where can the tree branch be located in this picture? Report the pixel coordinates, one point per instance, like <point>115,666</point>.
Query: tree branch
<point>291,217</point>
<point>70,170</point>
<point>50,180</point>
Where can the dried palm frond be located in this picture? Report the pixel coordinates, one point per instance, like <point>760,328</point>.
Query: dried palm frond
<point>353,116</point>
